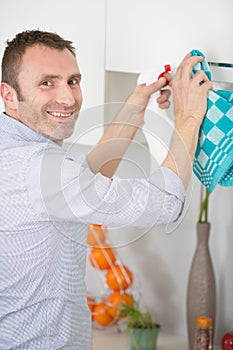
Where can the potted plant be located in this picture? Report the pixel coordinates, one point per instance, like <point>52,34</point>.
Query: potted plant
<point>141,327</point>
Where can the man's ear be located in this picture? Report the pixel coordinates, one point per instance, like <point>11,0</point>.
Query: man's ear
<point>9,96</point>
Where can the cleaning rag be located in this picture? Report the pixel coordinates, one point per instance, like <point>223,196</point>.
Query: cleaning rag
<point>213,163</point>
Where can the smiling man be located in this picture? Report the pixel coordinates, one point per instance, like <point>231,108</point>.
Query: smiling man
<point>48,90</point>
<point>48,198</point>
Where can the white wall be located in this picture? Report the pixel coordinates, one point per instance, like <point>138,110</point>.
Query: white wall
<point>80,21</point>
<point>143,36</point>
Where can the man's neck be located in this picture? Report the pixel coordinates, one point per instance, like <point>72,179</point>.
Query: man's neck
<point>16,117</point>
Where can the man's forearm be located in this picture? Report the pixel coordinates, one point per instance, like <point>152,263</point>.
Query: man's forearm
<point>107,154</point>
<point>182,149</point>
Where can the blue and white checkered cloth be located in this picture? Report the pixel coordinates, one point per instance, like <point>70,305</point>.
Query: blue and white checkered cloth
<point>213,163</point>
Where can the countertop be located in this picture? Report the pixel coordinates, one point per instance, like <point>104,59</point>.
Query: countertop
<point>111,338</point>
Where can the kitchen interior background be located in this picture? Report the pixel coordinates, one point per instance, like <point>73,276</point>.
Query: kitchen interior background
<point>115,41</point>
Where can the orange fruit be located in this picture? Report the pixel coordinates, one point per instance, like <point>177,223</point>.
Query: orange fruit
<point>100,314</point>
<point>116,300</point>
<point>102,257</point>
<point>119,277</point>
<point>90,303</point>
<point>96,235</point>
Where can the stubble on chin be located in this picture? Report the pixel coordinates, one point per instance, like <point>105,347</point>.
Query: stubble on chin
<point>44,125</point>
<point>62,131</point>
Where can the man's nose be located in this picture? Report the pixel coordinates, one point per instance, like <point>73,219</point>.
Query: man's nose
<point>65,95</point>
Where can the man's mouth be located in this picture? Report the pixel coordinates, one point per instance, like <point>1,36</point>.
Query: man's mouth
<point>62,116</point>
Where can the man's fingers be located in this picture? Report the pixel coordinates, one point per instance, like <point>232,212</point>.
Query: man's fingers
<point>201,78</point>
<point>164,105</point>
<point>157,85</point>
<point>179,68</point>
<point>168,77</point>
<point>165,94</point>
<point>185,68</point>
<point>152,88</point>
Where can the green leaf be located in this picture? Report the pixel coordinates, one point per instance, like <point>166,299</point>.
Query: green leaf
<point>136,317</point>
<point>204,208</point>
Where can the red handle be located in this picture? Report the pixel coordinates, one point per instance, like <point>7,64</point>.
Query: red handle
<point>167,68</point>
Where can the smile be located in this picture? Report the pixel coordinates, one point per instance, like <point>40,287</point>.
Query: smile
<point>61,114</point>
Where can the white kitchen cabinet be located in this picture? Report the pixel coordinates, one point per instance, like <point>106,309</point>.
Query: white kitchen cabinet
<point>143,35</point>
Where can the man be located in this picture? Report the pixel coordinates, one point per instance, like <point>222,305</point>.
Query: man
<point>48,198</point>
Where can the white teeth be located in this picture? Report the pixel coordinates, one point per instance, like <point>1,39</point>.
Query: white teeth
<point>56,114</point>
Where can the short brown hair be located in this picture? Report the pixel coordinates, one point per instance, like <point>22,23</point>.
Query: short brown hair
<point>16,48</point>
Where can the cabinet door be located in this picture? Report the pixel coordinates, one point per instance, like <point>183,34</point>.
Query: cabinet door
<point>147,34</point>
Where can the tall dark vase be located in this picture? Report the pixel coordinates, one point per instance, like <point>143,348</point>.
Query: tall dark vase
<point>201,294</point>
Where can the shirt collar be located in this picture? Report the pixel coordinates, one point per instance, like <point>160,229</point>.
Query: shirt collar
<point>14,127</point>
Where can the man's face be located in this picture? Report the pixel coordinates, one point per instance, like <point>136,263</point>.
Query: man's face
<point>49,82</point>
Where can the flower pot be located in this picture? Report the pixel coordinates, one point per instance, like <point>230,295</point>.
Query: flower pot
<point>144,338</point>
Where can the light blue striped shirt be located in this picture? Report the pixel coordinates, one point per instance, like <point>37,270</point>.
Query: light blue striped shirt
<point>47,200</point>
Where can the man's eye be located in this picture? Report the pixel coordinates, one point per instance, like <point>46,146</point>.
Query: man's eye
<point>46,83</point>
<point>74,81</point>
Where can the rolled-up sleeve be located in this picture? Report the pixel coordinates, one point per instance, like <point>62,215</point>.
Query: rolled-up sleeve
<point>68,190</point>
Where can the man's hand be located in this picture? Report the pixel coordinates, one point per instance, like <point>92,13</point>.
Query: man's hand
<point>190,104</point>
<point>190,94</point>
<point>142,94</point>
